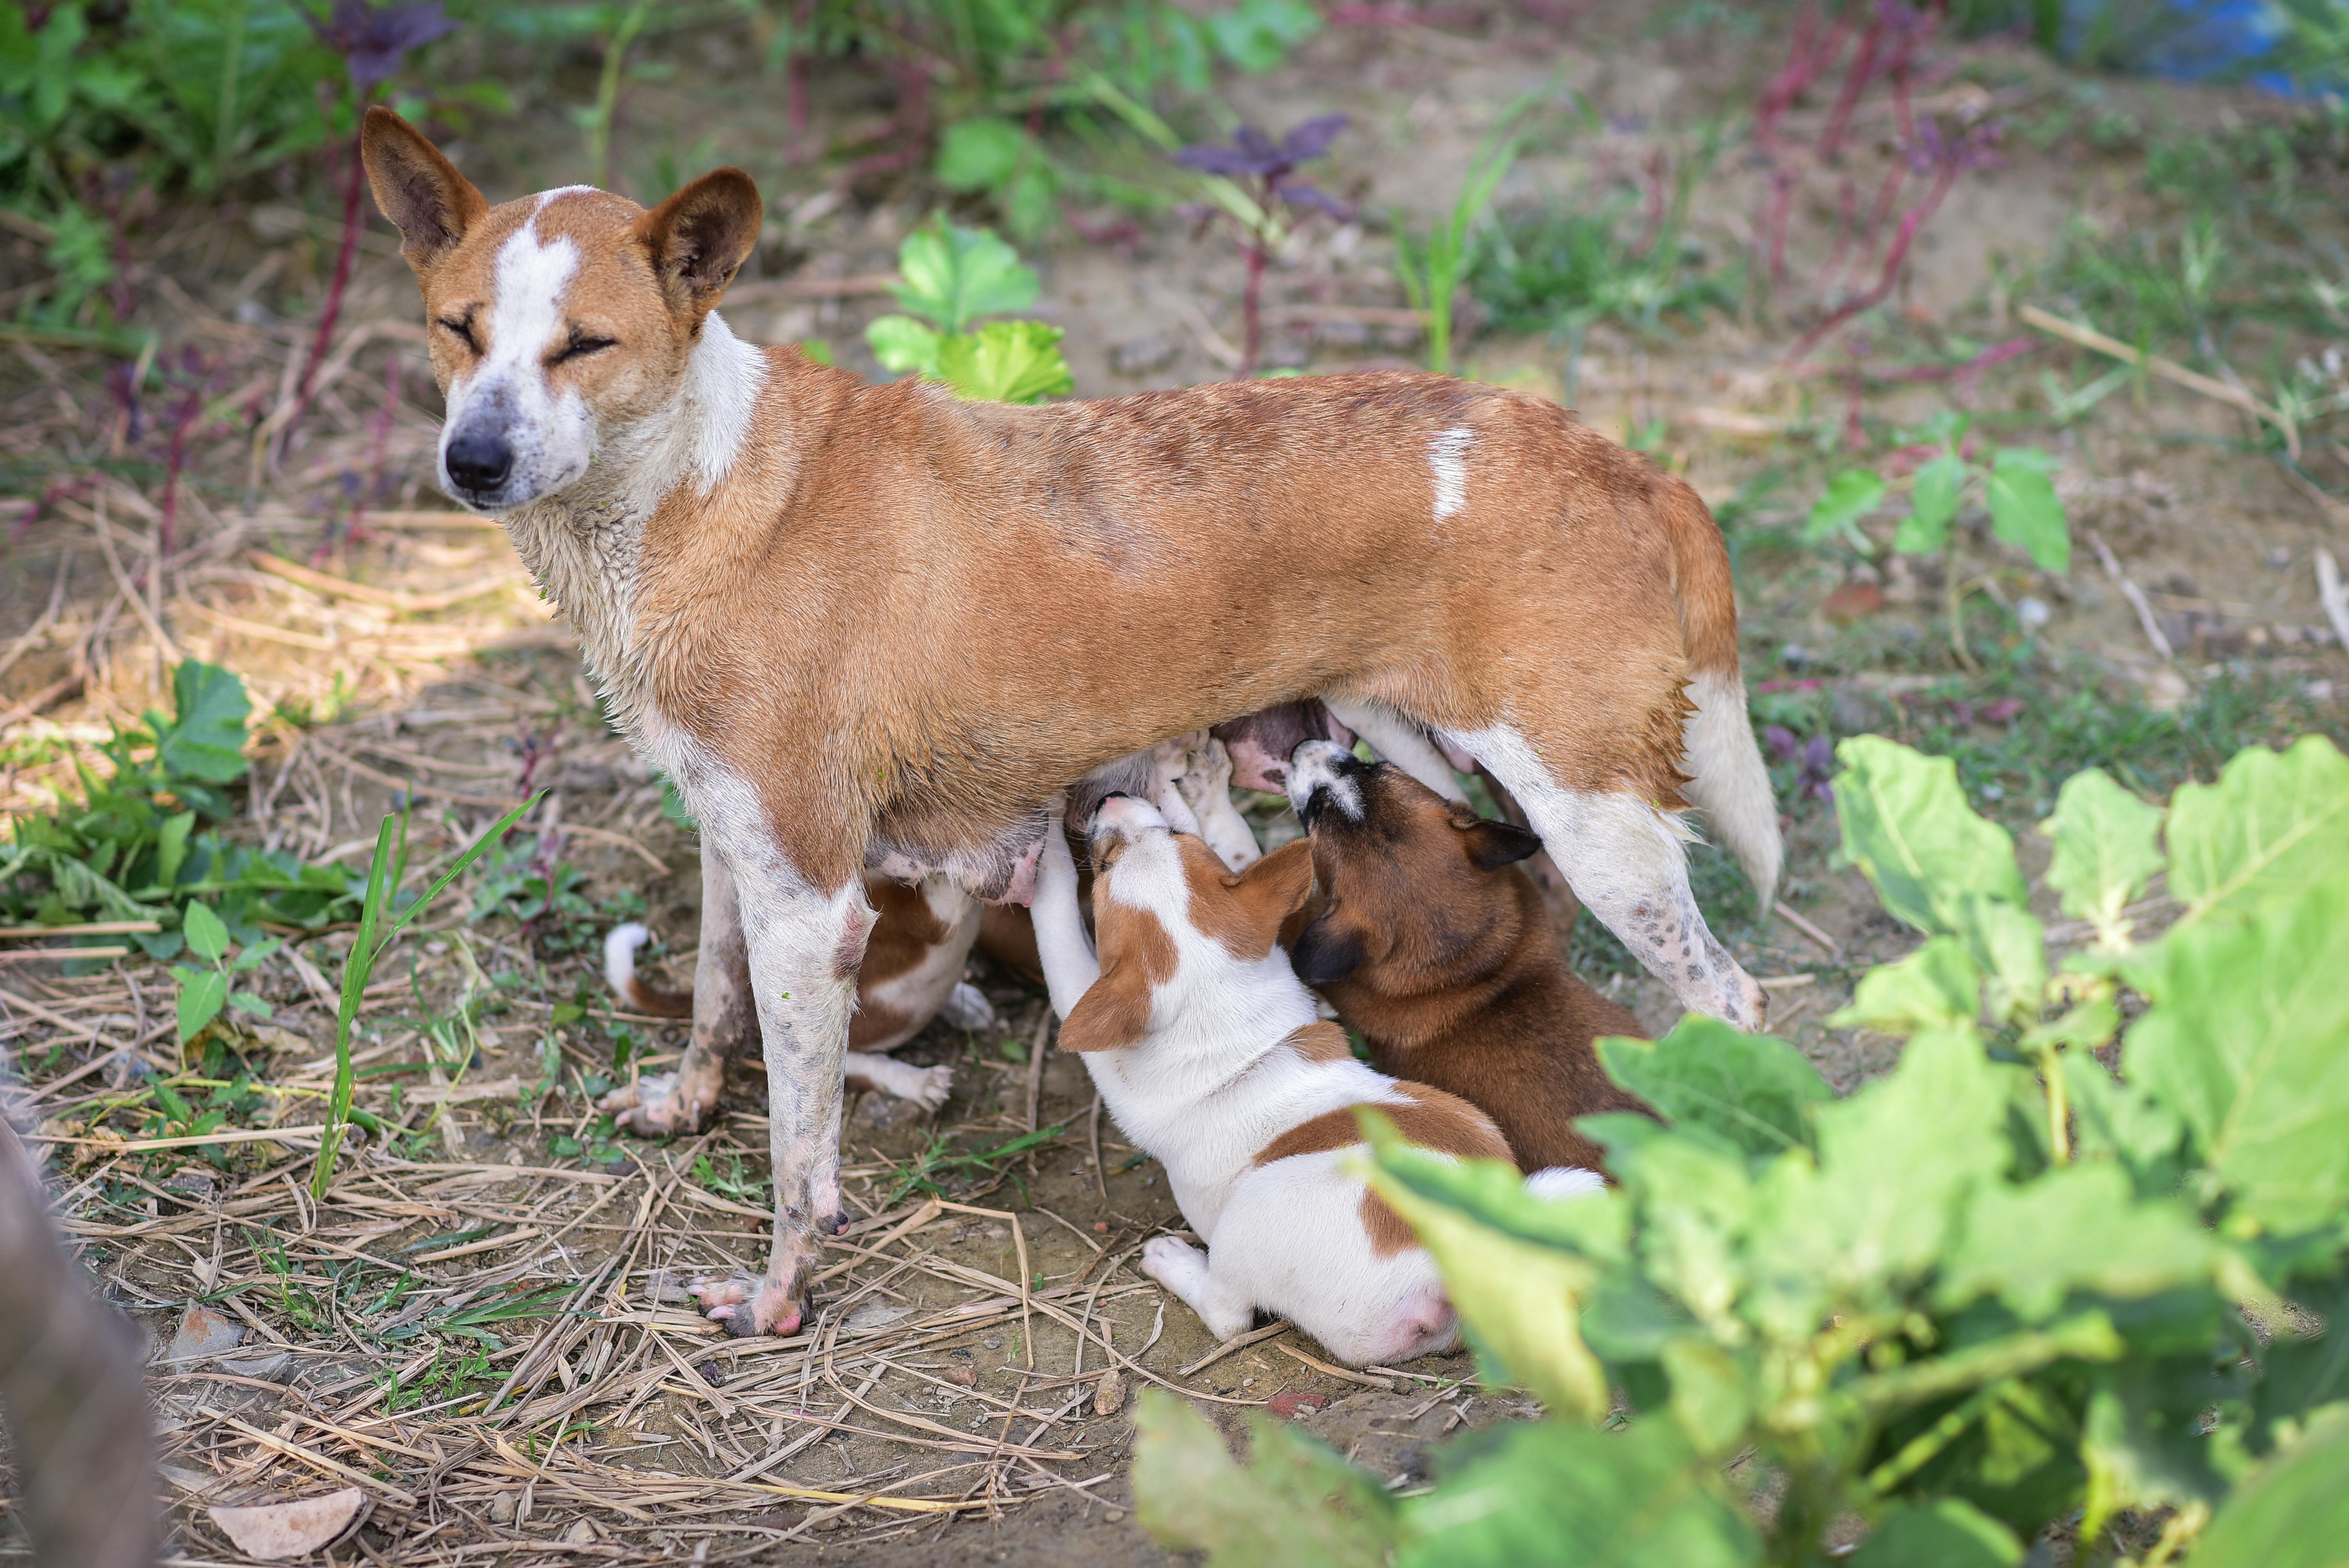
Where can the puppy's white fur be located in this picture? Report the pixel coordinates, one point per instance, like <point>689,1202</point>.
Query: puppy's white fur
<point>1210,1084</point>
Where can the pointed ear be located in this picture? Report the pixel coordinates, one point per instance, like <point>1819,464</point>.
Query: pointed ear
<point>1493,844</point>
<point>1112,1014</point>
<point>1326,952</point>
<point>701,236</point>
<point>1272,889</point>
<point>417,188</point>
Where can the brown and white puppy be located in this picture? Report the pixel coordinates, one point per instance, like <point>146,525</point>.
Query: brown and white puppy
<point>1432,943</point>
<point>1208,1053</point>
<point>788,586</point>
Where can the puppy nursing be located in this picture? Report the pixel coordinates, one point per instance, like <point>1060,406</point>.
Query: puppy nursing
<point>1207,1051</point>
<point>1432,942</point>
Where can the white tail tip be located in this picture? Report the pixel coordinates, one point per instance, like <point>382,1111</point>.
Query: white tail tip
<point>966,1008</point>
<point>1565,1181</point>
<point>620,956</point>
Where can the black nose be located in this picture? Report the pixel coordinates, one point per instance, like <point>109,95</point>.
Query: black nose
<point>478,463</point>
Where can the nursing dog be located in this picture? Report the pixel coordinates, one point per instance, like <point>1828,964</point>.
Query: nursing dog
<point>875,628</point>
<point>1432,943</point>
<point>1207,1051</point>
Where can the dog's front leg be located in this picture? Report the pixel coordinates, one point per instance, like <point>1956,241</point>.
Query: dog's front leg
<point>725,1022</point>
<point>804,948</point>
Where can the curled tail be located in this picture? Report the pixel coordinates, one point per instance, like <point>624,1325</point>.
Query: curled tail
<point>620,973</point>
<point>1726,777</point>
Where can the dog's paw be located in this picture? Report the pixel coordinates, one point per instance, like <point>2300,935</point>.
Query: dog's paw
<point>928,1087</point>
<point>652,1107</point>
<point>747,1305</point>
<point>1172,1262</point>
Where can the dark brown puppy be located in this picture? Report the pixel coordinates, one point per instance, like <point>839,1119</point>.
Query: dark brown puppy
<point>1434,944</point>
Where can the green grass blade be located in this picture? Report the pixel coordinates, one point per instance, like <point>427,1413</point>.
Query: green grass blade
<point>479,848</point>
<point>355,970</point>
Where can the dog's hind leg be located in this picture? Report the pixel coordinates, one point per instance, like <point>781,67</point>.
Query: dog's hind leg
<point>1184,1270</point>
<point>1626,861</point>
<point>725,1023</point>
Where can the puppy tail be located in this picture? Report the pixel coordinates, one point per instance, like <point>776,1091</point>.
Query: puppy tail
<point>620,973</point>
<point>1726,777</point>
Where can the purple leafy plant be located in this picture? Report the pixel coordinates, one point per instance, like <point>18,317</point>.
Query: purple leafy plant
<point>1266,171</point>
<point>372,40</point>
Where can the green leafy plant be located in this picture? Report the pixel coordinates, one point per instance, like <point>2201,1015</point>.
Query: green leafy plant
<point>379,927</point>
<point>1434,267</point>
<point>204,992</point>
<point>2013,486</point>
<point>1998,1289</point>
<point>951,277</point>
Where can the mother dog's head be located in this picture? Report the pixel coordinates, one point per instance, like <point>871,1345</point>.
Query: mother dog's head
<point>558,322</point>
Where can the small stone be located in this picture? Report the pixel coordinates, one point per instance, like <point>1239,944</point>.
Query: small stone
<point>2032,611</point>
<point>275,1532</point>
<point>501,1508</point>
<point>258,1368</point>
<point>1290,1403</point>
<point>1101,1227</point>
<point>1110,1397</point>
<point>1853,602</point>
<point>967,1377</point>
<point>1116,1516</point>
<point>995,1344</point>
<point>580,1534</point>
<point>202,1332</point>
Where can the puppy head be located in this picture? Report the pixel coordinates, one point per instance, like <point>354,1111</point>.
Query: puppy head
<point>1164,904</point>
<point>1404,873</point>
<point>556,321</point>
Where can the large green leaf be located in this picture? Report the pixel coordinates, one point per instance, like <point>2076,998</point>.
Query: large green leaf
<point>1749,1092</point>
<point>1897,1161</point>
<point>205,739</point>
<point>2143,1441</point>
<point>201,994</point>
<point>1006,362</point>
<point>2247,1040</point>
<point>2305,1366</point>
<point>2076,1228</point>
<point>981,153</point>
<point>2272,824</point>
<point>899,343</point>
<point>2024,509</point>
<point>2292,1512</point>
<point>953,276</point>
<point>1295,1504</point>
<point>1937,986</point>
<point>1849,496</point>
<point>1948,1533</point>
<point>1907,825</point>
<point>1933,506</point>
<point>2121,1123</point>
<point>1558,1493</point>
<point>2106,849</point>
<point>1517,1265</point>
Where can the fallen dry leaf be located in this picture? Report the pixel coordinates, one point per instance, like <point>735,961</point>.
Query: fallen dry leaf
<point>1110,1398</point>
<point>275,1532</point>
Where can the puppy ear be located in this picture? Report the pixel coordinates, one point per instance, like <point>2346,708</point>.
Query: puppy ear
<point>1112,1014</point>
<point>700,237</point>
<point>1272,889</point>
<point>417,188</point>
<point>1494,844</point>
<point>1326,952</point>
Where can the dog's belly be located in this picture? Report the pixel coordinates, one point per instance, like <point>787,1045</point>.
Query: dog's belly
<point>997,864</point>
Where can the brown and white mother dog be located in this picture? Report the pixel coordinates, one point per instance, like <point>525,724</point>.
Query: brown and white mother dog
<point>877,625</point>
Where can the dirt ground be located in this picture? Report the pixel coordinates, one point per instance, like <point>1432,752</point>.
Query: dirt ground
<point>947,1403</point>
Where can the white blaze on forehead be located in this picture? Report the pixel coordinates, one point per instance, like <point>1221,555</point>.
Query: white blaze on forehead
<point>1447,463</point>
<point>1316,766</point>
<point>528,284</point>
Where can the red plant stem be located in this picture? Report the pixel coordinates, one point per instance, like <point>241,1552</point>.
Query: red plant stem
<point>1847,222</point>
<point>174,461</point>
<point>1894,258</point>
<point>1781,196</point>
<point>795,80</point>
<point>378,449</point>
<point>1252,313</point>
<point>1895,178</point>
<point>1651,187</point>
<point>354,220</point>
<point>1854,82</point>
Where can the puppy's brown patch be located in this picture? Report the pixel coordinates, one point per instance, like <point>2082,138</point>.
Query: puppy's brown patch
<point>1440,954</point>
<point>1136,954</point>
<point>1427,1117</point>
<point>1321,1042</point>
<point>1244,912</point>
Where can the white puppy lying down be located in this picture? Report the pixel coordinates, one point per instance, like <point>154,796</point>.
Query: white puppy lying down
<point>1206,1050</point>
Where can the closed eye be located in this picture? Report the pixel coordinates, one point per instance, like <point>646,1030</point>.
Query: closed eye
<point>462,329</point>
<point>581,345</point>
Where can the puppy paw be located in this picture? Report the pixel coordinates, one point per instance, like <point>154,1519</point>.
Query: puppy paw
<point>928,1087</point>
<point>747,1305</point>
<point>652,1107</point>
<point>1172,1262</point>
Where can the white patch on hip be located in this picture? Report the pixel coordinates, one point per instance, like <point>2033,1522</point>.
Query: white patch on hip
<point>1447,463</point>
